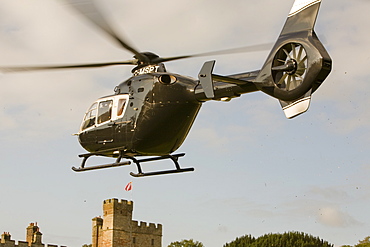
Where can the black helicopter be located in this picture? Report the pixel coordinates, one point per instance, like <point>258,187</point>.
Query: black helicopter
<point>151,113</point>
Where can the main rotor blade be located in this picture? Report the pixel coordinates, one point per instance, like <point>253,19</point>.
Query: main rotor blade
<point>93,65</point>
<point>89,11</point>
<point>252,48</point>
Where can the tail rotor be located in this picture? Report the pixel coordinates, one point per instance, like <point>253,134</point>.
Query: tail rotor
<point>298,62</point>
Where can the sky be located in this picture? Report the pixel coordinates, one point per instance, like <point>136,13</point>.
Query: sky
<point>256,172</point>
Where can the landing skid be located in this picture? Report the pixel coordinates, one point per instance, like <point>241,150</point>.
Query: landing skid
<point>173,157</point>
<point>82,168</point>
<point>140,173</point>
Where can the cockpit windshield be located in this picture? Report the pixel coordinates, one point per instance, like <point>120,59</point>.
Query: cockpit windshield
<point>90,116</point>
<point>104,110</point>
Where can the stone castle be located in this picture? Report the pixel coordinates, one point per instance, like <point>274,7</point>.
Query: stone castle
<point>115,229</point>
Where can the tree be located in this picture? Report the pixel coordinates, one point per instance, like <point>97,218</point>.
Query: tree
<point>288,239</point>
<point>186,243</point>
<point>364,243</point>
<point>87,245</point>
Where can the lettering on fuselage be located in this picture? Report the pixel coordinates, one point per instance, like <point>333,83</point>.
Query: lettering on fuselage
<point>146,70</point>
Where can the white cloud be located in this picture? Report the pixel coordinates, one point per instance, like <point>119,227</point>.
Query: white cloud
<point>335,217</point>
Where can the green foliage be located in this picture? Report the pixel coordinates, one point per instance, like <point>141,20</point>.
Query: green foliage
<point>289,239</point>
<point>364,243</point>
<point>87,245</point>
<point>186,243</point>
<point>244,241</point>
<point>361,243</point>
<point>366,240</point>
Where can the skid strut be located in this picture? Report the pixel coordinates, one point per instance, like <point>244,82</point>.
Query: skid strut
<point>138,162</point>
<point>173,157</point>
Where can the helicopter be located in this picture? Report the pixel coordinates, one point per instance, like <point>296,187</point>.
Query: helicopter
<point>150,114</point>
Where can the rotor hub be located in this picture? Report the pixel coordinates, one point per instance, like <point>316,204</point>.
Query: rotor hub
<point>290,66</point>
<point>149,57</point>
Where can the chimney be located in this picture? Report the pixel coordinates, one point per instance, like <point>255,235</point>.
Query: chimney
<point>30,233</point>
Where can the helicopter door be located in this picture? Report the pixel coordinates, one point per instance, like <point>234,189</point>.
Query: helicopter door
<point>104,132</point>
<point>110,119</point>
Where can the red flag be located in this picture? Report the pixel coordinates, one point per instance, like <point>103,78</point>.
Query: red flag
<point>128,186</point>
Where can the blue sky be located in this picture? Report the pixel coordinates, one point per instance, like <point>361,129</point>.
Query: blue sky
<point>256,172</point>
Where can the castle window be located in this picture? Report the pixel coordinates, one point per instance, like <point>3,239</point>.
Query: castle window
<point>152,241</point>
<point>133,240</point>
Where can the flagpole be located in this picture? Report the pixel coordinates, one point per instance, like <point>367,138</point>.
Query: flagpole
<point>128,188</point>
<point>131,193</point>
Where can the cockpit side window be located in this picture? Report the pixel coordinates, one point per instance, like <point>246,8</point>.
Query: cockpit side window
<point>104,111</point>
<point>90,117</point>
<point>120,107</point>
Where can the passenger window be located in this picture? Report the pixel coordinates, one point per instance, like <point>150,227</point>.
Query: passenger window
<point>121,107</point>
<point>105,111</point>
<point>90,117</point>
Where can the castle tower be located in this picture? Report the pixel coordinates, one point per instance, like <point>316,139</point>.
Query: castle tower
<point>117,229</point>
<point>117,223</point>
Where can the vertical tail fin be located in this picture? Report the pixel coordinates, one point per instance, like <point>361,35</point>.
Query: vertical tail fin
<point>302,16</point>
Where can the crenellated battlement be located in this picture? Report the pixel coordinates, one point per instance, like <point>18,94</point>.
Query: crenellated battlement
<point>116,201</point>
<point>145,228</point>
<point>117,207</point>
